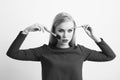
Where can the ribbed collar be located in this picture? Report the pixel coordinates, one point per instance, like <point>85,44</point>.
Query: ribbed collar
<point>55,49</point>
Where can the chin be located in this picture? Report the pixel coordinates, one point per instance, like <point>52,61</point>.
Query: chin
<point>67,43</point>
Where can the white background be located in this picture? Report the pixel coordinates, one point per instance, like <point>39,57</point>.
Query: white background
<point>16,15</point>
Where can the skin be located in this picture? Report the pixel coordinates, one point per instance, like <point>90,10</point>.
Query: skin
<point>91,33</point>
<point>65,31</point>
<point>33,28</point>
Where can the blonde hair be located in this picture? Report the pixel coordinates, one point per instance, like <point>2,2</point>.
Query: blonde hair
<point>60,18</point>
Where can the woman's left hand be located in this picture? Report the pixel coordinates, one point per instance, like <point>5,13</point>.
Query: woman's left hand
<point>90,32</point>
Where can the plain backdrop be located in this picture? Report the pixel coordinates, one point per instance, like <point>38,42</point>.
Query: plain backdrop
<point>102,15</point>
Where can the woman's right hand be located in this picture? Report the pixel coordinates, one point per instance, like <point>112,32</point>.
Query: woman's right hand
<point>33,28</point>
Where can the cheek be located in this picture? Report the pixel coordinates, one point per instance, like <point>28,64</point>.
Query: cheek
<point>70,35</point>
<point>60,34</point>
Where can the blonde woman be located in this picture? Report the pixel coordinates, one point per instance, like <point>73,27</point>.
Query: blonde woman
<point>62,58</point>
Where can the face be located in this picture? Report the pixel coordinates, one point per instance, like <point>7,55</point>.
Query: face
<point>65,31</point>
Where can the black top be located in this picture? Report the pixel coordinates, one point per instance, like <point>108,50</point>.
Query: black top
<point>60,64</point>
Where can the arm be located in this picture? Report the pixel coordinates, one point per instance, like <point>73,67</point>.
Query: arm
<point>26,54</point>
<point>33,54</point>
<point>106,53</point>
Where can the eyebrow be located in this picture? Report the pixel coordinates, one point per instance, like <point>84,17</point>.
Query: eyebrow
<point>68,29</point>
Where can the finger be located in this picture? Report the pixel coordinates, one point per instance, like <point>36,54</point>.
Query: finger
<point>38,26</point>
<point>89,28</point>
<point>42,29</point>
<point>87,25</point>
<point>84,26</point>
<point>36,29</point>
<point>46,29</point>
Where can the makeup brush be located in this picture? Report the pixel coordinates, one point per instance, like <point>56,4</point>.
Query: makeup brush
<point>78,27</point>
<point>89,28</point>
<point>57,36</point>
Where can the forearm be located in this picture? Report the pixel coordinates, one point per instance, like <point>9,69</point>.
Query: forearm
<point>95,38</point>
<point>16,44</point>
<point>106,50</point>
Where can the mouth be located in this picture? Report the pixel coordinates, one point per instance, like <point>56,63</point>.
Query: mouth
<point>65,40</point>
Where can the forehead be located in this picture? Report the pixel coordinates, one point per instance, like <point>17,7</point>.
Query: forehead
<point>66,25</point>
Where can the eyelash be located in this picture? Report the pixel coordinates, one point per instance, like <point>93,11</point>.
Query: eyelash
<point>70,30</point>
<point>60,30</point>
<point>63,30</point>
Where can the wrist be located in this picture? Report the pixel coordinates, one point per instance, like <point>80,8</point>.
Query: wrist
<point>25,31</point>
<point>96,39</point>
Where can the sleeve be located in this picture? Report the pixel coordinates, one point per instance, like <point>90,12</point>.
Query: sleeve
<point>32,54</point>
<point>106,53</point>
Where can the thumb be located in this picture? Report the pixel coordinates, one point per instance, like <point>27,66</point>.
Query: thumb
<point>90,29</point>
<point>41,28</point>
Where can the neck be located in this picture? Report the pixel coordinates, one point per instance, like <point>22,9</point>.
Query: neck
<point>62,45</point>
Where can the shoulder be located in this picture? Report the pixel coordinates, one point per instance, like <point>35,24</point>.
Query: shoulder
<point>39,49</point>
<point>83,48</point>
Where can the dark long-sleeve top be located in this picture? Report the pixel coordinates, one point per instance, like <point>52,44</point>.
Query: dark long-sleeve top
<point>60,64</point>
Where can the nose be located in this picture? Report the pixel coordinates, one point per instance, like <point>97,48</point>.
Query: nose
<point>64,35</point>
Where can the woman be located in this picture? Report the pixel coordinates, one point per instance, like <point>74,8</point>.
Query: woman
<point>61,59</point>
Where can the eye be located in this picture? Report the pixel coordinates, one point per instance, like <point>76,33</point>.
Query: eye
<point>60,30</point>
<point>70,30</point>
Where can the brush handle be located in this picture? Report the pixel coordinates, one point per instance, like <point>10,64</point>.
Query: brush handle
<point>57,36</point>
<point>49,31</point>
<point>79,26</point>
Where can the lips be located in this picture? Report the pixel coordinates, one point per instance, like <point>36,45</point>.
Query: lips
<point>64,40</point>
